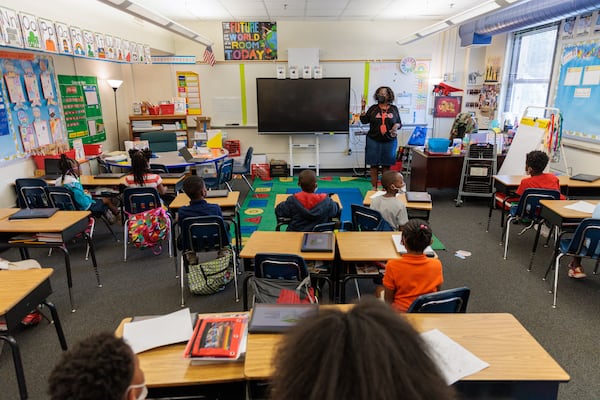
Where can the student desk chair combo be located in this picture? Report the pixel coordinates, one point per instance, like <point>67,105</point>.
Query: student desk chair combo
<point>60,228</point>
<point>20,291</point>
<point>519,367</point>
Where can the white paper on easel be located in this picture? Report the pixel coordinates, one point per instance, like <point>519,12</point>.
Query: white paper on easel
<point>527,138</point>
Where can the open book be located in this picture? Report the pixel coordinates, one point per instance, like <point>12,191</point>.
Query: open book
<point>397,239</point>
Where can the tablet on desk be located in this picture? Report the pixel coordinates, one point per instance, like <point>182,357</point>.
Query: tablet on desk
<point>585,177</point>
<point>418,197</point>
<point>317,241</point>
<point>217,193</point>
<point>31,213</point>
<point>276,318</point>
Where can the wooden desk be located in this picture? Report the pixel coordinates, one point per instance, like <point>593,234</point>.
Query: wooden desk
<point>166,366</point>
<point>20,292</point>
<point>92,181</point>
<point>282,242</point>
<point>7,212</point>
<point>281,197</point>
<point>67,223</point>
<point>437,171</point>
<point>366,246</point>
<point>410,205</point>
<point>519,366</point>
<point>230,201</point>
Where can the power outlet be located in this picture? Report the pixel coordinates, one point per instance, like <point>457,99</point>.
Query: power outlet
<point>349,152</point>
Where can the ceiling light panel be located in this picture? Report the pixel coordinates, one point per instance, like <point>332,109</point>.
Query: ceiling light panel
<point>147,14</point>
<point>474,12</point>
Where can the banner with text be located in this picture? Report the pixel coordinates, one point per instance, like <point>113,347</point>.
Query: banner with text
<point>250,40</point>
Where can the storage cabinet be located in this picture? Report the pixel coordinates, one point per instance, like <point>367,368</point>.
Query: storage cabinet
<point>164,123</point>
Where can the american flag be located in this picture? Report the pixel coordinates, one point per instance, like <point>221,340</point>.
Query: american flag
<point>209,56</point>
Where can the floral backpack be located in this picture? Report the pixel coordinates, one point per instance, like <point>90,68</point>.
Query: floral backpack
<point>149,228</point>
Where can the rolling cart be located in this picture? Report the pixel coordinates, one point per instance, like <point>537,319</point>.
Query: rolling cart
<point>478,169</point>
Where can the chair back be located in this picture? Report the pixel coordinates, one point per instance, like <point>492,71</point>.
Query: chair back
<point>529,204</point>
<point>204,233</point>
<point>31,193</point>
<point>102,165</point>
<point>248,159</point>
<point>61,198</point>
<point>226,171</point>
<point>445,301</point>
<point>158,168</point>
<point>367,219</point>
<point>139,199</point>
<point>280,266</point>
<point>160,142</point>
<point>324,227</point>
<point>586,239</point>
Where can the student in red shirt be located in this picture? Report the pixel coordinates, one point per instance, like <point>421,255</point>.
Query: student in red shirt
<point>413,274</point>
<point>535,163</point>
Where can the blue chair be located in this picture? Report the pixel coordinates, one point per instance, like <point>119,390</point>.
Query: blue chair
<point>224,176</point>
<point>445,301</point>
<point>367,219</point>
<point>529,208</point>
<point>205,234</point>
<point>278,268</point>
<point>137,200</point>
<point>585,243</point>
<point>31,193</point>
<point>246,168</point>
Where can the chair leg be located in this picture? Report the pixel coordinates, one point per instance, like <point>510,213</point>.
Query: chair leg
<point>235,275</point>
<point>596,267</point>
<point>228,186</point>
<point>506,235</point>
<point>247,182</point>
<point>91,234</point>
<point>487,228</point>
<point>535,244</point>
<point>181,273</point>
<point>357,288</point>
<point>555,283</point>
<point>125,240</point>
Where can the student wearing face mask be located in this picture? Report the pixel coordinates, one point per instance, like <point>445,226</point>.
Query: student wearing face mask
<point>384,121</point>
<point>99,367</point>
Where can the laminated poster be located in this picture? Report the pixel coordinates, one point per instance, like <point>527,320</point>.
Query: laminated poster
<point>48,35</point>
<point>63,36</point>
<point>31,32</point>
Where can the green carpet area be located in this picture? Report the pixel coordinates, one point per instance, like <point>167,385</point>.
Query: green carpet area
<point>257,210</point>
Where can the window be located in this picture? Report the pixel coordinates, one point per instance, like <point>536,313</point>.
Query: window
<point>530,70</point>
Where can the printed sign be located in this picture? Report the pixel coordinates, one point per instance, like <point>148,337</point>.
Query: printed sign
<point>250,40</point>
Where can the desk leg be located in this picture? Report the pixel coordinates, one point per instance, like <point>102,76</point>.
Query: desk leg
<point>94,262</point>
<point>535,244</point>
<point>69,277</point>
<point>558,235</point>
<point>16,354</point>
<point>57,324</point>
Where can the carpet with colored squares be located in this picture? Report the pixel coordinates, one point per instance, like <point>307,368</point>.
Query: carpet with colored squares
<point>257,211</point>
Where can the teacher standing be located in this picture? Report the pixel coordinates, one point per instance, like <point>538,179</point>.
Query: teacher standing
<point>384,121</point>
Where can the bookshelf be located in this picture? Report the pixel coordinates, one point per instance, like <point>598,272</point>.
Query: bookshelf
<point>164,123</point>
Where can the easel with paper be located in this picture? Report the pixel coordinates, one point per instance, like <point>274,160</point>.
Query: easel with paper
<point>536,134</point>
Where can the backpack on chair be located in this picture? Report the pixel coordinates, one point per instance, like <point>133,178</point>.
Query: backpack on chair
<point>149,228</point>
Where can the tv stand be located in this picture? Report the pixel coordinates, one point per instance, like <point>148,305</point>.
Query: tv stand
<point>296,146</point>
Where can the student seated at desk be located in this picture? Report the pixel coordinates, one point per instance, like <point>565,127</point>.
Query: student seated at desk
<point>413,274</point>
<point>195,189</point>
<point>535,163</point>
<point>392,210</point>
<point>140,175</point>
<point>69,178</point>
<point>306,209</point>
<point>368,352</point>
<point>99,367</point>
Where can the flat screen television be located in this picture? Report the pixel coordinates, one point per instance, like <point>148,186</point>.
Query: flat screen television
<point>303,106</point>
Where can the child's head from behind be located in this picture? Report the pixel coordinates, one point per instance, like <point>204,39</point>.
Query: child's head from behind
<point>140,160</point>
<point>416,235</point>
<point>535,162</point>
<point>194,187</point>
<point>307,180</point>
<point>68,166</point>
<point>392,181</point>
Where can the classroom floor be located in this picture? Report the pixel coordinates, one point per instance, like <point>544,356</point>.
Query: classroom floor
<point>140,287</point>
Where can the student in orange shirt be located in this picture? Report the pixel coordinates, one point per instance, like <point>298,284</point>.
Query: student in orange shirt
<point>413,274</point>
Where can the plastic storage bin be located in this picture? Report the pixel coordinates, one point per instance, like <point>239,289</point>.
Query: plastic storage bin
<point>438,145</point>
<point>167,109</point>
<point>39,160</point>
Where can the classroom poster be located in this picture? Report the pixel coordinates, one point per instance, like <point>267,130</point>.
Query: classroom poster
<point>83,112</point>
<point>188,87</point>
<point>63,36</point>
<point>250,40</point>
<point>10,28</point>
<point>30,113</point>
<point>31,31</point>
<point>578,90</point>
<point>48,35</point>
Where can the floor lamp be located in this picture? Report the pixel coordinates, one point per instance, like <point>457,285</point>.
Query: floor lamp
<point>115,84</point>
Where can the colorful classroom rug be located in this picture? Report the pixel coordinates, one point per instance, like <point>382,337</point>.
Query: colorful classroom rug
<point>257,211</point>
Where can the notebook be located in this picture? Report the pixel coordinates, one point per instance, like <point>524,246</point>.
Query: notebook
<point>397,239</point>
<point>317,241</point>
<point>418,197</point>
<point>110,175</point>
<point>216,193</point>
<point>51,169</point>
<point>30,213</point>
<point>585,177</point>
<point>185,153</point>
<point>276,318</point>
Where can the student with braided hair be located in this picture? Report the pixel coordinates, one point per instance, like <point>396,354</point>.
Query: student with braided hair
<point>413,274</point>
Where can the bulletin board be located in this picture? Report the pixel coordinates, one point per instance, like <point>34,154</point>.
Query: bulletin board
<point>30,116</point>
<point>578,90</point>
<point>83,111</point>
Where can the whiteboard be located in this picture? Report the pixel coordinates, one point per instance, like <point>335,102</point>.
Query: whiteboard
<point>527,138</point>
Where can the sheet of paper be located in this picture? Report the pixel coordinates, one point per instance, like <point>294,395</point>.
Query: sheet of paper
<point>582,206</point>
<point>454,361</point>
<point>160,331</point>
<point>378,193</point>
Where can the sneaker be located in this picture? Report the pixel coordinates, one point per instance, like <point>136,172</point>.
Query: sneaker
<point>576,271</point>
<point>32,319</point>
